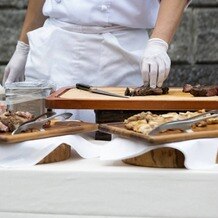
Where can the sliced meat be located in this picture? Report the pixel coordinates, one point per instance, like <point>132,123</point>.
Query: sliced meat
<point>3,128</point>
<point>201,90</point>
<point>24,114</point>
<point>187,88</point>
<point>144,90</point>
<point>3,107</point>
<point>204,91</point>
<point>14,119</point>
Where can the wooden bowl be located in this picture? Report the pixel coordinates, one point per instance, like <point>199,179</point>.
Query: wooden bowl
<point>160,158</point>
<point>62,152</point>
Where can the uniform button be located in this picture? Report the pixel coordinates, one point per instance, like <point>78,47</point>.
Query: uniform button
<point>104,7</point>
<point>58,1</point>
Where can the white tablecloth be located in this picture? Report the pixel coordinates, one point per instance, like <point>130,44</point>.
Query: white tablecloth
<point>92,188</point>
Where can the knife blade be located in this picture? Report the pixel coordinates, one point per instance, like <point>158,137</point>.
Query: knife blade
<point>98,91</point>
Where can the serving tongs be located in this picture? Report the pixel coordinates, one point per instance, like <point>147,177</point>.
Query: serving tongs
<point>184,125</point>
<point>37,123</point>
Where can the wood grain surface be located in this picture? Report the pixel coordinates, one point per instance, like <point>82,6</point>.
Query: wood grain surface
<point>57,129</point>
<point>160,158</point>
<point>61,153</point>
<point>72,98</point>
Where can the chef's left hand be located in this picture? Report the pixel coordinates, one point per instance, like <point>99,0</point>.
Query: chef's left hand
<point>155,66</point>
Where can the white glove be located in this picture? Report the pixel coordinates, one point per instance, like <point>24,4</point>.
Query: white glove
<point>14,71</point>
<point>155,66</point>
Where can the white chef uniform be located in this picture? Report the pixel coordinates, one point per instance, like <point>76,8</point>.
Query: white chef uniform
<point>98,42</point>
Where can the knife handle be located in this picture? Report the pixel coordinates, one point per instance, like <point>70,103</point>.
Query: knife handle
<point>83,86</point>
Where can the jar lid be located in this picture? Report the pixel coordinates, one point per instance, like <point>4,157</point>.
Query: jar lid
<point>29,85</point>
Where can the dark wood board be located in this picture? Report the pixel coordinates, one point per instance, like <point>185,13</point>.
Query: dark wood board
<point>176,100</point>
<point>57,129</point>
<point>211,131</point>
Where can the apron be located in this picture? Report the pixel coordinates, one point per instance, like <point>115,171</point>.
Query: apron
<point>66,54</point>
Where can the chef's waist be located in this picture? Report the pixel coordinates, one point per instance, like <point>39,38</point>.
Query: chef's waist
<point>83,29</point>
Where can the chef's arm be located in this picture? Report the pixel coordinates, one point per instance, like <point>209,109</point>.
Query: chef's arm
<point>14,71</point>
<point>169,17</point>
<point>33,19</point>
<point>155,64</point>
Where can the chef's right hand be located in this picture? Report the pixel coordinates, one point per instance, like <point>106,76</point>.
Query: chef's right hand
<point>14,71</point>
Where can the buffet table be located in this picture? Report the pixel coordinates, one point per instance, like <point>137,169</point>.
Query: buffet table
<point>93,188</point>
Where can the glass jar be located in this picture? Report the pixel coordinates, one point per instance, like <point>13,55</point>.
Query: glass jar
<point>28,96</point>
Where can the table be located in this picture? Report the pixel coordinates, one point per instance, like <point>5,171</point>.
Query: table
<point>95,189</point>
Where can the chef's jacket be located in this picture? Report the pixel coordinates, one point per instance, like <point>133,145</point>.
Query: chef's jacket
<point>96,42</point>
<point>127,13</point>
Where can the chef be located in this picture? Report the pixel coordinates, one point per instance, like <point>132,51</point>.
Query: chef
<point>103,43</point>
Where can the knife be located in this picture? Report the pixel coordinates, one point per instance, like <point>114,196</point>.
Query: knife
<point>98,91</point>
<point>184,125</point>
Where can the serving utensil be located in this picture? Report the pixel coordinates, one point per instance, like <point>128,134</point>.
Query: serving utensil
<point>38,124</point>
<point>184,125</point>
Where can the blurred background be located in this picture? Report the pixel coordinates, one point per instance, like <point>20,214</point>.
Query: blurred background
<point>194,50</point>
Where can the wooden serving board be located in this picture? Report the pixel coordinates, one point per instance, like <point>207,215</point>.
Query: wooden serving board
<point>211,131</point>
<point>160,158</point>
<point>58,128</point>
<point>61,153</point>
<point>72,98</point>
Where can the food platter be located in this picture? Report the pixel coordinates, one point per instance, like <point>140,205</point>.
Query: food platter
<point>211,131</point>
<point>72,98</point>
<point>58,128</point>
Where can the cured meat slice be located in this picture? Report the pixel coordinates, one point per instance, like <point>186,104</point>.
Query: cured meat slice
<point>145,90</point>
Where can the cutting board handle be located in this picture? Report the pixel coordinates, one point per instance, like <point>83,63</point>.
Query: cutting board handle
<point>83,86</point>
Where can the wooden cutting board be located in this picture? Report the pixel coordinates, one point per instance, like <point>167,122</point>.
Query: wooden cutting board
<point>211,131</point>
<point>56,129</point>
<point>72,98</point>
